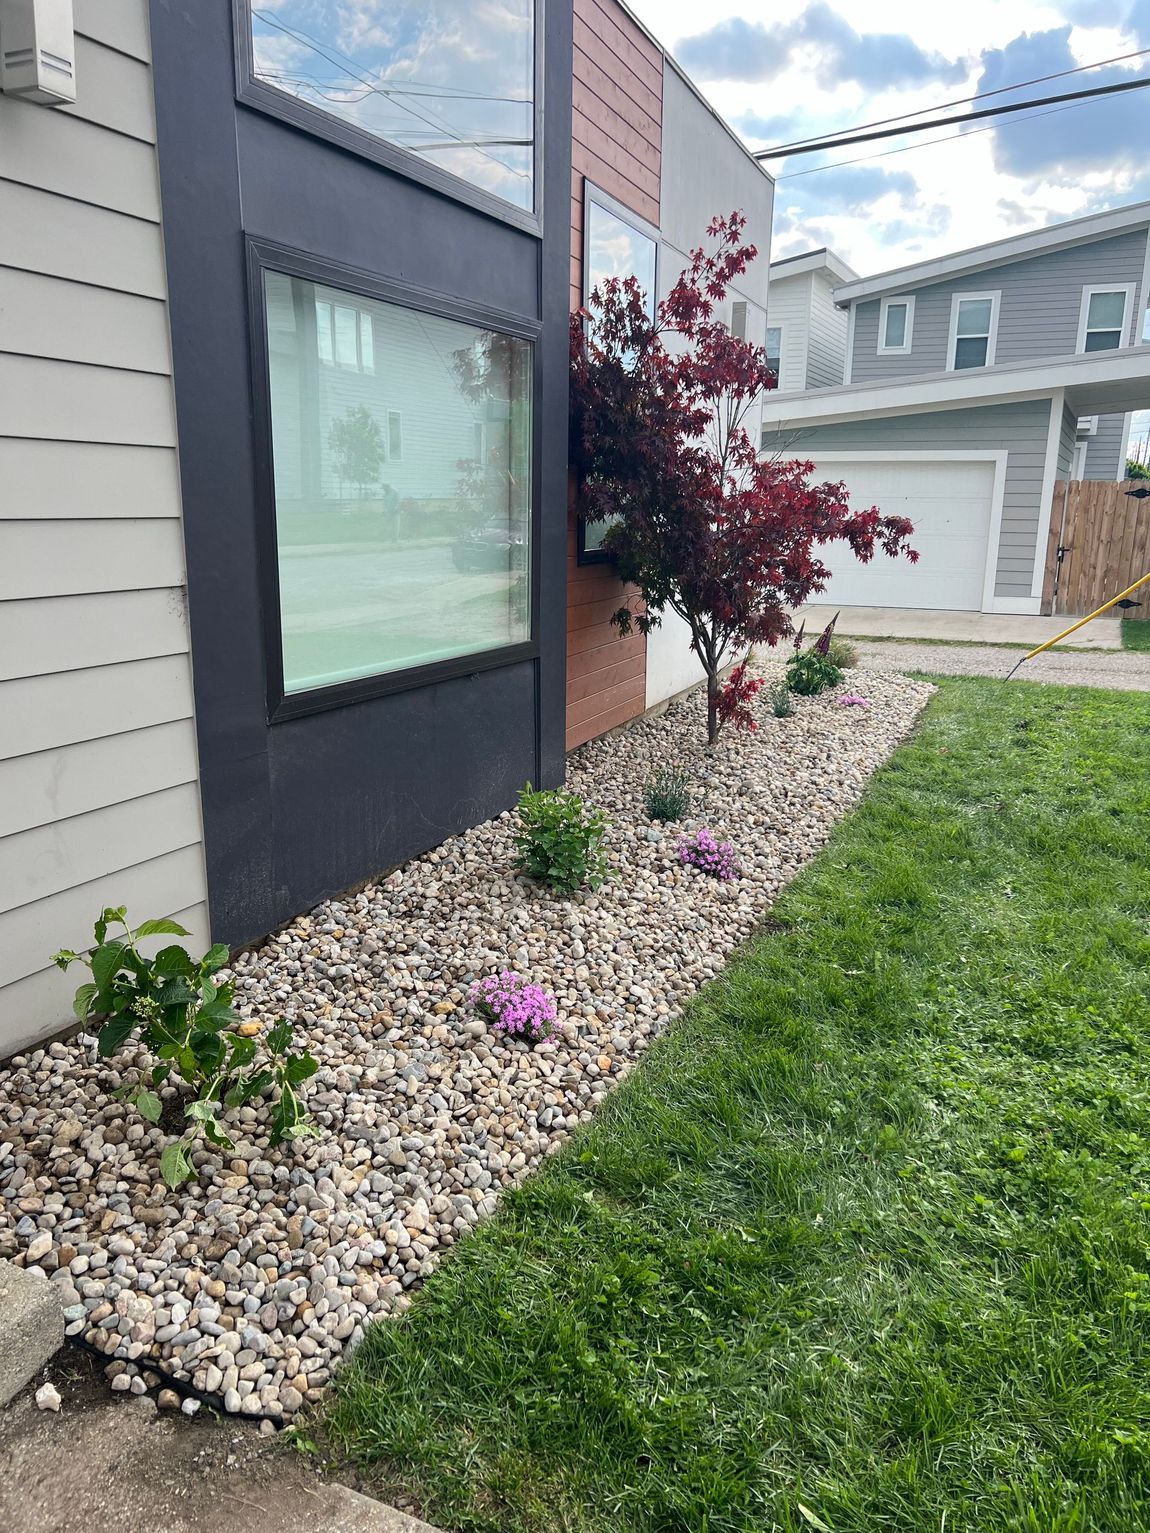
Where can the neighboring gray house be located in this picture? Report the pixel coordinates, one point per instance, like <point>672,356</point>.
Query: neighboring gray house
<point>806,328</point>
<point>972,384</point>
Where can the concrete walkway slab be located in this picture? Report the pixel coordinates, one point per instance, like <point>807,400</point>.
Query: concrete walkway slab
<point>31,1326</point>
<point>115,1465</point>
<point>961,627</point>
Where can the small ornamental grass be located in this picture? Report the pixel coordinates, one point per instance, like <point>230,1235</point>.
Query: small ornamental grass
<point>782,705</point>
<point>715,858</point>
<point>512,1004</point>
<point>560,840</point>
<point>668,795</point>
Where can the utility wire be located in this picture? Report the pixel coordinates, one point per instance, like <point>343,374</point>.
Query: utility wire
<point>883,154</point>
<point>943,106</point>
<point>942,122</point>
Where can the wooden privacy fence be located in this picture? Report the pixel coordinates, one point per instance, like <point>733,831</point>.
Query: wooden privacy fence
<point>1103,537</point>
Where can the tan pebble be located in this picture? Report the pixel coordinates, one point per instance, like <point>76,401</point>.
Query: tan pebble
<point>248,1029</point>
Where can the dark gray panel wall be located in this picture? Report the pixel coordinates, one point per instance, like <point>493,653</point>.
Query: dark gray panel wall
<point>303,808</point>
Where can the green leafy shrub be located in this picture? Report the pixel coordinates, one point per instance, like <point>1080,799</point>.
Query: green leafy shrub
<point>560,840</point>
<point>841,652</point>
<point>668,795</point>
<point>781,705</point>
<point>809,673</point>
<point>185,1018</point>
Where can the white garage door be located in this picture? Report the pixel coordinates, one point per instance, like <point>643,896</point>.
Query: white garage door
<point>948,502</point>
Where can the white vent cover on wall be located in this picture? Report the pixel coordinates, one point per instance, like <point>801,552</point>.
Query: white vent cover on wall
<point>38,51</point>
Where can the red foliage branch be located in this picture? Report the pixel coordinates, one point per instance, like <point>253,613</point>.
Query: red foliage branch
<point>660,410</point>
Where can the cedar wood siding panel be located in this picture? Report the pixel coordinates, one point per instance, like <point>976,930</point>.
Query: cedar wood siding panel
<point>99,802</point>
<point>616,144</point>
<point>1019,428</point>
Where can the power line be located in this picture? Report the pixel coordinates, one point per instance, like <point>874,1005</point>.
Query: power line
<point>943,106</point>
<point>883,154</point>
<point>942,122</point>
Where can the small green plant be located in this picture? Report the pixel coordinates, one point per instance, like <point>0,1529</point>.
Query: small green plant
<point>809,673</point>
<point>668,794</point>
<point>841,652</point>
<point>185,1018</point>
<point>560,840</point>
<point>781,705</point>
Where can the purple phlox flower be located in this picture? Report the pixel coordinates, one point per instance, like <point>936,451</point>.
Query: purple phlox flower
<point>703,851</point>
<point>514,1005</point>
<point>852,700</point>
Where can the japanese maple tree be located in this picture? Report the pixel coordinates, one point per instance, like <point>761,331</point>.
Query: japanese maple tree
<point>661,448</point>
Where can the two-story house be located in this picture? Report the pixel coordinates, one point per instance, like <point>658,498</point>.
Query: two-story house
<point>971,384</point>
<point>806,328</point>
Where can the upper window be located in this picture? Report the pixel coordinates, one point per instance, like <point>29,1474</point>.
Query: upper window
<point>895,324</point>
<point>774,350</point>
<point>617,244</point>
<point>402,489</point>
<point>446,80</point>
<point>973,329</point>
<point>1102,324</point>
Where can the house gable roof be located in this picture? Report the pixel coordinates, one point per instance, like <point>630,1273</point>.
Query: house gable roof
<point>1077,231</point>
<point>813,260</point>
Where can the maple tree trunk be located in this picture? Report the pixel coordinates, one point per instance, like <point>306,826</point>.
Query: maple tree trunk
<point>712,708</point>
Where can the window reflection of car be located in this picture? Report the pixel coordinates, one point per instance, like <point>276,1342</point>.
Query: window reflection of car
<point>493,547</point>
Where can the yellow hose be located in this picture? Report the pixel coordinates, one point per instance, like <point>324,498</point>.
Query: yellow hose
<point>1082,621</point>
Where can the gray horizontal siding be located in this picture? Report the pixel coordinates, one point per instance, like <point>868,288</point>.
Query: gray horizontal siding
<point>1104,449</point>
<point>99,802</point>
<point>1038,313</point>
<point>1019,428</point>
<point>40,232</point>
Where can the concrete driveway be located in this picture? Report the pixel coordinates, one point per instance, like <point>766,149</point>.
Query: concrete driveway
<point>964,627</point>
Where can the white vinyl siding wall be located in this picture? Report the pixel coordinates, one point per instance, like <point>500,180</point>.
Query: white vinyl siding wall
<point>827,347</point>
<point>98,795</point>
<point>789,306</point>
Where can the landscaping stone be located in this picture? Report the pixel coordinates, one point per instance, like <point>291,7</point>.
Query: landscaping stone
<point>31,1326</point>
<point>258,1273</point>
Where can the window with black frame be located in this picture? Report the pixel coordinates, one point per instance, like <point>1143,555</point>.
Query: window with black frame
<point>616,243</point>
<point>402,489</point>
<point>447,81</point>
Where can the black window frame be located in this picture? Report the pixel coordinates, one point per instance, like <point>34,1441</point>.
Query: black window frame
<point>263,256</point>
<point>594,195</point>
<point>257,94</point>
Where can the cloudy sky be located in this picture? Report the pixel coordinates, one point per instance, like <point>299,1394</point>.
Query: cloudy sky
<point>779,74</point>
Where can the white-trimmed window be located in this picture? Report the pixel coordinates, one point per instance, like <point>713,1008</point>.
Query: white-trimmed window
<point>774,350</point>
<point>895,326</point>
<point>345,336</point>
<point>1102,324</point>
<point>973,330</point>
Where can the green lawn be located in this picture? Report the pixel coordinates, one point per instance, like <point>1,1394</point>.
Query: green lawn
<point>1136,634</point>
<point>864,1244</point>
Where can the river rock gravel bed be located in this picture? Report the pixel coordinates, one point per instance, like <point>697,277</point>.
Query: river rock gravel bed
<point>246,1285</point>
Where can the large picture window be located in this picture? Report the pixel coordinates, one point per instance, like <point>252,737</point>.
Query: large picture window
<point>446,80</point>
<point>402,475</point>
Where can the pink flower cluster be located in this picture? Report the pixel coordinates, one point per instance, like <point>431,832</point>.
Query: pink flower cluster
<point>716,858</point>
<point>512,1005</point>
<point>852,700</point>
